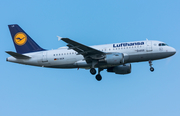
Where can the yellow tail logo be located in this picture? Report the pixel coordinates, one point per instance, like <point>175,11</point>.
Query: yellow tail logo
<point>20,38</point>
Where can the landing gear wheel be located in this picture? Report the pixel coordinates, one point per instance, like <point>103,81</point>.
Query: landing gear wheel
<point>151,69</point>
<point>150,64</point>
<point>93,71</point>
<point>98,77</point>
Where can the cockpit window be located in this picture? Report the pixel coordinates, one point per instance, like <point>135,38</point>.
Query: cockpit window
<point>162,44</point>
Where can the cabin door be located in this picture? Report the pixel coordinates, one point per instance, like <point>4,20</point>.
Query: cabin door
<point>148,46</point>
<point>44,57</point>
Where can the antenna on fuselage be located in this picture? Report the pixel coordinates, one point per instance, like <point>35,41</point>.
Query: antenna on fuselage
<point>146,39</point>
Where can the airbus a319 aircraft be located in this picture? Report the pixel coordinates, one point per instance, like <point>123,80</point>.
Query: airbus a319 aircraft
<point>115,58</point>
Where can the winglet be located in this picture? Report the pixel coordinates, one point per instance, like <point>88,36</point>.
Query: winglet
<point>59,38</point>
<point>17,56</point>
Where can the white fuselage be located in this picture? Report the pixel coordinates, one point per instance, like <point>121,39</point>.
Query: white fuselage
<point>68,58</point>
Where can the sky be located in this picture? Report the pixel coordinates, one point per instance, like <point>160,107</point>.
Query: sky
<point>36,91</point>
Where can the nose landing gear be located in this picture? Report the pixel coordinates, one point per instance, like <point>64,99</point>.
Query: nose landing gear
<point>150,64</point>
<point>151,69</point>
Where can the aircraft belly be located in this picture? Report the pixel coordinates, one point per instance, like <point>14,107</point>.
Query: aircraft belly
<point>137,57</point>
<point>147,57</point>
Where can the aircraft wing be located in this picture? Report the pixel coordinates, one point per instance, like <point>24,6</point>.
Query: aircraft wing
<point>83,49</point>
<point>89,53</point>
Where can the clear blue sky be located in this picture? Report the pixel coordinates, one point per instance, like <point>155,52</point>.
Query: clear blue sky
<point>33,91</point>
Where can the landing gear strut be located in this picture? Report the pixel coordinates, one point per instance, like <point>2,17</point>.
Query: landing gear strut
<point>93,70</point>
<point>98,76</point>
<point>150,64</point>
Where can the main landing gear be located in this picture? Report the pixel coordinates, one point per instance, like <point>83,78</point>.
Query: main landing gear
<point>150,64</point>
<point>98,76</point>
<point>93,71</point>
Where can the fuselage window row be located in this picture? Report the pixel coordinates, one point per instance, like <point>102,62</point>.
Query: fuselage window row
<point>65,54</point>
<point>100,50</point>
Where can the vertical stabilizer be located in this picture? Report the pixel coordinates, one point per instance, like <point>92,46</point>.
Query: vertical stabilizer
<point>22,41</point>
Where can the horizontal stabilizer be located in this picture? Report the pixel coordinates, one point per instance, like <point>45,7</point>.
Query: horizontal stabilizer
<point>18,56</point>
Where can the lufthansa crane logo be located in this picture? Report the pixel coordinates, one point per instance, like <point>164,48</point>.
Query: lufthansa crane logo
<point>20,38</point>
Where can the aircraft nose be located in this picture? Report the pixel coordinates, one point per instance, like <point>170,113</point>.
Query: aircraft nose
<point>172,50</point>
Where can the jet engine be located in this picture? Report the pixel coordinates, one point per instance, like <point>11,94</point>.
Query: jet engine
<point>121,69</point>
<point>114,58</point>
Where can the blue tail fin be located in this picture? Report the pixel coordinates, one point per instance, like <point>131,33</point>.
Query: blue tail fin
<point>22,41</point>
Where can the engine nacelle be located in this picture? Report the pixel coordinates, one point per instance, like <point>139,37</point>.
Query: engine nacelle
<point>121,69</point>
<point>114,58</point>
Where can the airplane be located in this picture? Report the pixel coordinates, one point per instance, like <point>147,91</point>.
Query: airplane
<point>115,58</point>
